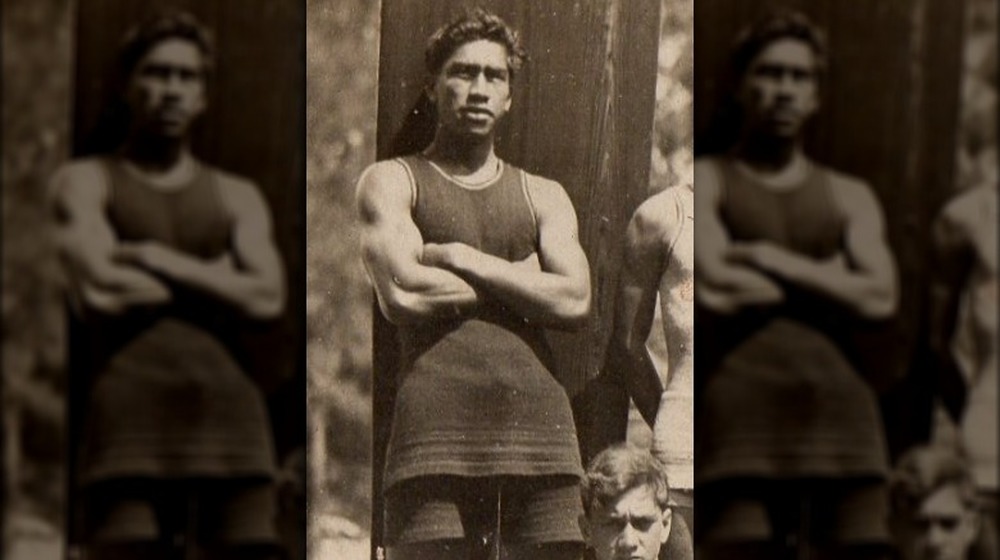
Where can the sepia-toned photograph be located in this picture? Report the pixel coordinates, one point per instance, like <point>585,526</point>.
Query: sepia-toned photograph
<point>509,280</point>
<point>846,402</point>
<point>163,416</point>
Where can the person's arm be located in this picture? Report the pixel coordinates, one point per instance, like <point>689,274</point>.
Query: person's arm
<point>863,279</point>
<point>645,262</point>
<point>722,285</point>
<point>250,278</point>
<point>408,290</point>
<point>86,245</point>
<point>952,258</point>
<point>556,293</point>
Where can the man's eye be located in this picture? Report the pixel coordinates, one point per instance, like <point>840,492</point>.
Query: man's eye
<point>155,71</point>
<point>496,76</point>
<point>948,523</point>
<point>643,524</point>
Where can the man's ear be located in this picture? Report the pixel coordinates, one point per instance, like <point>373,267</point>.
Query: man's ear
<point>668,520</point>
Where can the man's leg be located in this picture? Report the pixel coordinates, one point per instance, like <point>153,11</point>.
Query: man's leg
<point>539,517</point>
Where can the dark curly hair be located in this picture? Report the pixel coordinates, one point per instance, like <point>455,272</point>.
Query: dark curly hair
<point>774,26</point>
<point>159,27</point>
<point>475,25</point>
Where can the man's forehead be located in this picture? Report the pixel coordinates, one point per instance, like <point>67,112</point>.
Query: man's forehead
<point>481,52</point>
<point>787,51</point>
<point>174,51</point>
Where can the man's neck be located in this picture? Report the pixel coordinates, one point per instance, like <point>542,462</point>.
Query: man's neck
<point>164,162</point>
<point>777,162</point>
<point>462,156</point>
<point>155,154</point>
<point>768,154</point>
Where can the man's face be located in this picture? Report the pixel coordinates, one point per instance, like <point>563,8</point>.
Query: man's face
<point>779,90</point>
<point>472,90</point>
<point>942,528</point>
<point>632,528</point>
<point>166,91</point>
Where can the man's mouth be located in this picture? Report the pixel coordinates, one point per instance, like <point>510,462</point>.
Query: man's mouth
<point>476,113</point>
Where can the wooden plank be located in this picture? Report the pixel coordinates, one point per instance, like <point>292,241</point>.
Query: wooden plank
<point>888,115</point>
<point>582,115</point>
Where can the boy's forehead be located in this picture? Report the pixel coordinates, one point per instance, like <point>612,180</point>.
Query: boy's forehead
<point>639,500</point>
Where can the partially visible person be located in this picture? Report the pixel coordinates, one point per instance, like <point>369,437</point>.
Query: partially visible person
<point>659,262</point>
<point>934,507</point>
<point>964,333</point>
<point>627,515</point>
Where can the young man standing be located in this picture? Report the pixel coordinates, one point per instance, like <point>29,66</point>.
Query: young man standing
<point>165,255</point>
<point>790,456</point>
<point>471,258</point>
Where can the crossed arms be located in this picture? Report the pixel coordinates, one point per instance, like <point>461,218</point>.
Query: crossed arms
<point>111,276</point>
<point>417,282</point>
<point>735,275</point>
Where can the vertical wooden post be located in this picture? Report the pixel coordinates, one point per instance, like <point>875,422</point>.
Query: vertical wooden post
<point>582,115</point>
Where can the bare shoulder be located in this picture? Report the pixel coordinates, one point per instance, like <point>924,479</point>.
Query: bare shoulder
<point>384,183</point>
<point>854,195</point>
<point>706,178</point>
<point>240,194</point>
<point>966,207</point>
<point>79,179</point>
<point>549,197</point>
<point>655,219</point>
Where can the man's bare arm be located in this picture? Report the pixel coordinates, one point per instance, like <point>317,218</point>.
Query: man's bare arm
<point>250,278</point>
<point>722,285</point>
<point>408,290</point>
<point>86,245</point>
<point>556,293</point>
<point>645,262</point>
<point>863,279</point>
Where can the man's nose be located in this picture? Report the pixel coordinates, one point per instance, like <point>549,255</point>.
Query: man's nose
<point>936,536</point>
<point>628,539</point>
<point>478,85</point>
<point>172,83</point>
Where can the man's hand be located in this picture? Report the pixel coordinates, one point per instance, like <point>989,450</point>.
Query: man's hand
<point>456,256</point>
<point>150,255</point>
<point>166,261</point>
<point>446,255</point>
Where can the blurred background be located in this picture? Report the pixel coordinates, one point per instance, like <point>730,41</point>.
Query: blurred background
<point>342,41</point>
<point>342,59</point>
